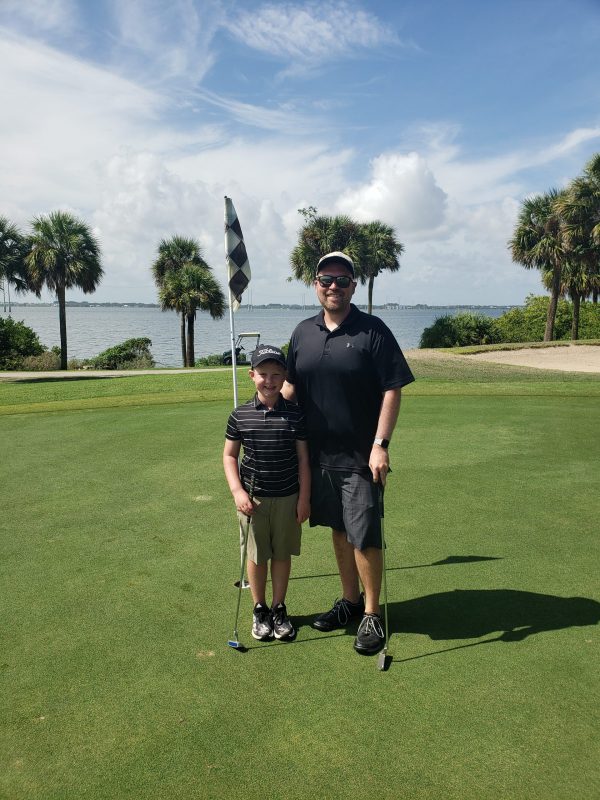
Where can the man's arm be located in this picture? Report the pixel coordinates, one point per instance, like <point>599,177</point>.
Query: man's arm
<point>289,392</point>
<point>379,460</point>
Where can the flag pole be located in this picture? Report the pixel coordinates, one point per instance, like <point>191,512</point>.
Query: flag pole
<point>233,353</point>
<point>229,215</point>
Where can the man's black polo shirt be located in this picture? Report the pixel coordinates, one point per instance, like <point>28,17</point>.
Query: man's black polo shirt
<point>269,440</point>
<point>340,377</point>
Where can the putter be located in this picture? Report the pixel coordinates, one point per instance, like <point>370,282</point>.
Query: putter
<point>381,661</point>
<point>235,642</point>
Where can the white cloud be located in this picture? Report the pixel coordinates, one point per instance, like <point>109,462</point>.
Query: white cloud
<point>162,41</point>
<point>41,15</point>
<point>402,191</point>
<point>311,33</point>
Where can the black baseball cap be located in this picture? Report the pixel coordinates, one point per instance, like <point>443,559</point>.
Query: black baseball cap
<point>267,352</point>
<point>336,257</point>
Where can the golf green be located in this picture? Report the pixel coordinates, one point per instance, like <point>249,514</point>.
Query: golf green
<point>118,555</point>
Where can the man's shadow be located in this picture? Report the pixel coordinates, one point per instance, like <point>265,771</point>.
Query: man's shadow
<point>472,613</point>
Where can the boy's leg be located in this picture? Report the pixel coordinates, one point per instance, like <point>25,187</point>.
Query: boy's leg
<point>280,575</point>
<point>257,574</point>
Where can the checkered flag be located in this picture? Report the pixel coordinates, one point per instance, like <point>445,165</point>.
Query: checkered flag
<point>238,267</point>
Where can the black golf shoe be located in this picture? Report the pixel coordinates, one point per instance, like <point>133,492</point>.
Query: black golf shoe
<point>340,615</point>
<point>370,637</point>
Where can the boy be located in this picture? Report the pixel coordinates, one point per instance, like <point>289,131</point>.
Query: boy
<point>273,433</point>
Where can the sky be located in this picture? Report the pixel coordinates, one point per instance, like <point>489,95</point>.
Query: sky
<point>435,117</point>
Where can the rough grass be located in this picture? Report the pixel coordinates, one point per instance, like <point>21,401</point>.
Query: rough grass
<point>118,553</point>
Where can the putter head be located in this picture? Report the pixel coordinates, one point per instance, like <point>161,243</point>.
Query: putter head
<point>236,645</point>
<point>382,660</point>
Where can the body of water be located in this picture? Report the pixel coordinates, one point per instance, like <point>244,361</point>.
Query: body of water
<point>91,330</point>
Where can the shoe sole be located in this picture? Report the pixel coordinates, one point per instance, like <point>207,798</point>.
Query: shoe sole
<point>265,638</point>
<point>289,637</point>
<point>368,651</point>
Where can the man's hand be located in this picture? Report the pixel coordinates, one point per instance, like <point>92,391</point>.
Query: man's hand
<point>242,502</point>
<point>379,464</point>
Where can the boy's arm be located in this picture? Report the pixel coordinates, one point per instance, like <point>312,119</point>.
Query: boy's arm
<point>303,507</point>
<point>231,453</point>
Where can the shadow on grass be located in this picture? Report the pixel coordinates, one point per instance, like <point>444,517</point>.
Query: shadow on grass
<point>472,613</point>
<point>442,563</point>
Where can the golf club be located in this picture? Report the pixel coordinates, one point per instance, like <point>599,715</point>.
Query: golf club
<point>381,661</point>
<point>234,642</point>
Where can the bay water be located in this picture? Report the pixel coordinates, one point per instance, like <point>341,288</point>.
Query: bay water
<point>90,330</point>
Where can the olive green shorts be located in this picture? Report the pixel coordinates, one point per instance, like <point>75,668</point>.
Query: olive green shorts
<point>274,530</point>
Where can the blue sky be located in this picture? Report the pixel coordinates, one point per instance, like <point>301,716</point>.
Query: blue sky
<point>436,117</point>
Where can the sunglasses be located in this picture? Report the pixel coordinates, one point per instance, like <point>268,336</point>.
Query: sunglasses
<point>341,281</point>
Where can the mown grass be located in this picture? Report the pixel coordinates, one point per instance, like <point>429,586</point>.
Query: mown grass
<point>118,553</point>
<point>486,348</point>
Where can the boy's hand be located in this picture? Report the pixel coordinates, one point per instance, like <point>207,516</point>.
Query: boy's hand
<point>302,511</point>
<point>242,502</point>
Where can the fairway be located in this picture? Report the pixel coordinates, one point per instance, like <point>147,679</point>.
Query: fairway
<point>119,551</point>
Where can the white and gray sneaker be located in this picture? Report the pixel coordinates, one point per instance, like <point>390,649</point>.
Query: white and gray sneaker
<point>262,625</point>
<point>282,625</point>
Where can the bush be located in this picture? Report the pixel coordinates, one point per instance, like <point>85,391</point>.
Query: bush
<point>214,360</point>
<point>45,362</point>
<point>460,330</point>
<point>589,321</point>
<point>17,341</point>
<point>529,323</point>
<point>131,354</point>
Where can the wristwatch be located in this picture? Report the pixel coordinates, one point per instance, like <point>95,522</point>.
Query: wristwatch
<point>385,443</point>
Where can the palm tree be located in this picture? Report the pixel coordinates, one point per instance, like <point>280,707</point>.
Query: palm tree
<point>63,254</point>
<point>186,290</point>
<point>321,235</point>
<point>382,250</point>
<point>174,255</point>
<point>538,243</point>
<point>579,207</point>
<point>13,270</point>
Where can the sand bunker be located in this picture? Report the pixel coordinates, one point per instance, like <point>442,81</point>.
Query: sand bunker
<point>572,358</point>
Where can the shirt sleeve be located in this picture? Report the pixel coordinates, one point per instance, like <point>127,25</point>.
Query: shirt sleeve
<point>388,359</point>
<point>232,432</point>
<point>291,360</point>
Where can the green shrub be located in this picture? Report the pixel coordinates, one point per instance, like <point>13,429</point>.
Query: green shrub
<point>460,330</point>
<point>528,324</point>
<point>45,362</point>
<point>17,341</point>
<point>131,354</point>
<point>214,360</point>
<point>589,321</point>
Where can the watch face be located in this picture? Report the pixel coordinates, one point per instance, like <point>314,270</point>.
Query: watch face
<point>383,442</point>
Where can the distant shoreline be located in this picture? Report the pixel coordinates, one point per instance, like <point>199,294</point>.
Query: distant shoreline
<point>268,306</point>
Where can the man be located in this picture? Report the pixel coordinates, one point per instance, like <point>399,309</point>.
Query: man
<point>346,370</point>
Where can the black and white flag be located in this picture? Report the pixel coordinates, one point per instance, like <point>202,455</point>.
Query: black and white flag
<point>238,267</point>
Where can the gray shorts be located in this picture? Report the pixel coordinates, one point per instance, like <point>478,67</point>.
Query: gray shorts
<point>348,502</point>
<point>274,530</point>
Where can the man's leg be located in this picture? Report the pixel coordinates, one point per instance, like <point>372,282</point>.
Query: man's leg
<point>369,563</point>
<point>347,566</point>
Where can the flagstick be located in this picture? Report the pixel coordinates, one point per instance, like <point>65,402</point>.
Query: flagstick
<point>233,353</point>
<point>245,584</point>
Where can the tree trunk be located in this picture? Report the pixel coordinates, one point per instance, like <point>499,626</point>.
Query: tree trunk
<point>62,322</point>
<point>551,316</point>
<point>183,350</point>
<point>370,293</point>
<point>191,361</point>
<point>576,297</point>
<point>594,295</point>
